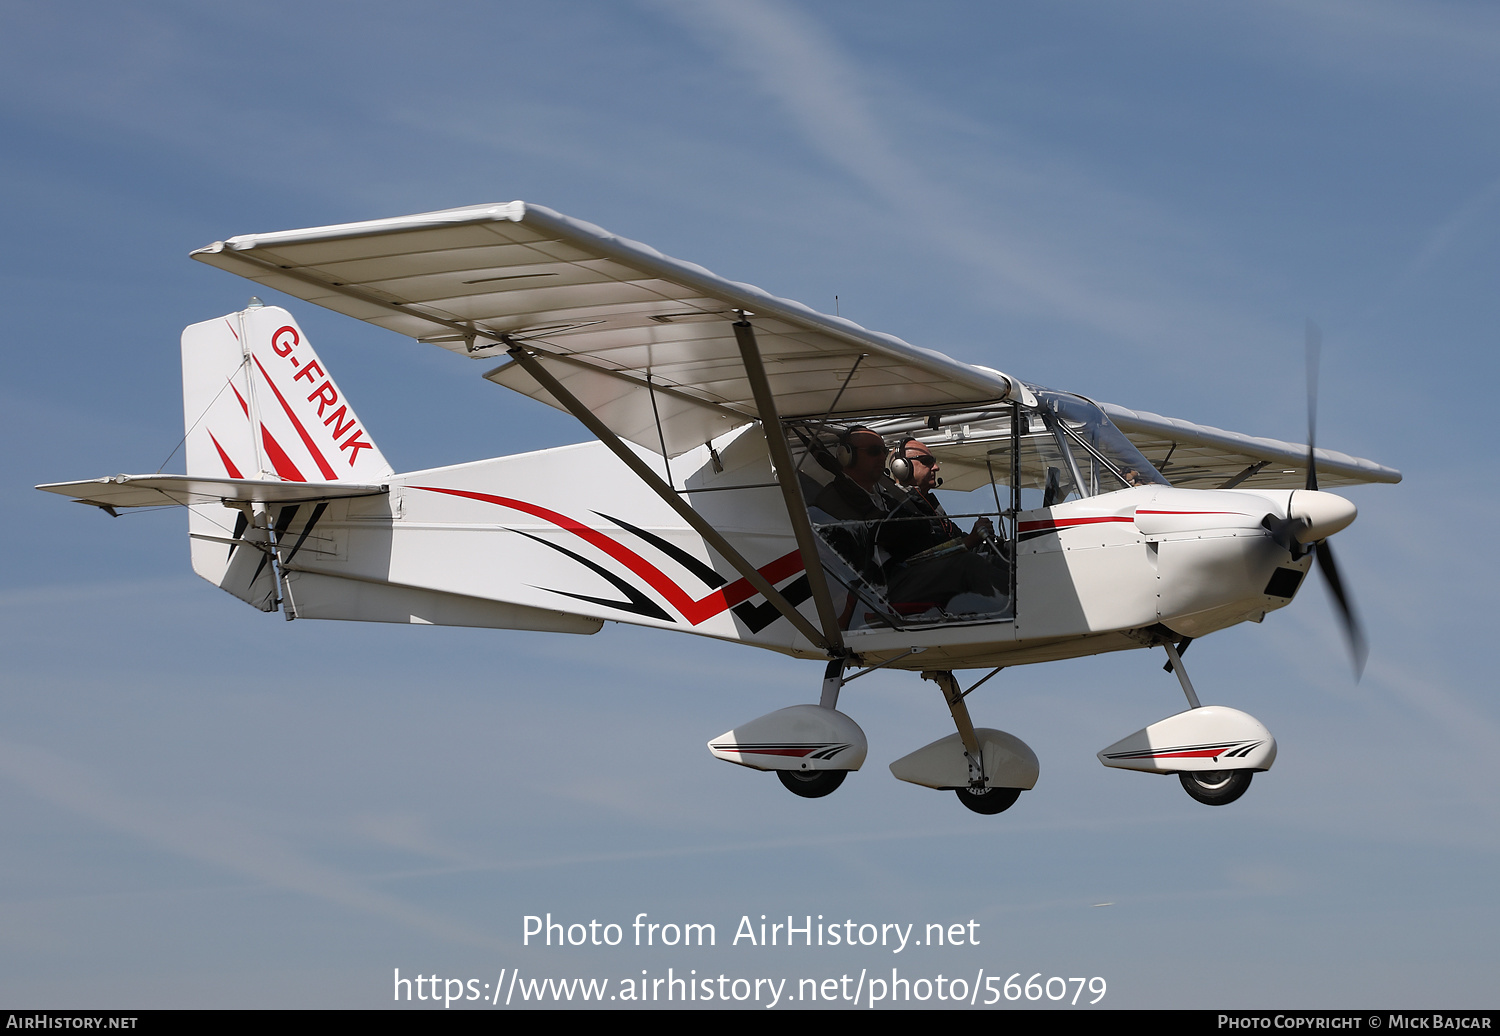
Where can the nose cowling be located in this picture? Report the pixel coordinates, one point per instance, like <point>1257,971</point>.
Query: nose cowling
<point>1320,514</point>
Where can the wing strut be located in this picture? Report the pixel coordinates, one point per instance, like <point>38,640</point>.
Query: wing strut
<point>791,490</point>
<point>654,482</point>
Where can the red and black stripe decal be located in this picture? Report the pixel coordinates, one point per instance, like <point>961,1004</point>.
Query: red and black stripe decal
<point>1227,749</point>
<point>1045,526</point>
<point>695,610</point>
<point>757,617</point>
<point>637,602</point>
<point>790,750</point>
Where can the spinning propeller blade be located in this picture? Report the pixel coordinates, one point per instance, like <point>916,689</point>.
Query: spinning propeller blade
<point>1352,628</point>
<point>1314,355</point>
<point>1358,647</point>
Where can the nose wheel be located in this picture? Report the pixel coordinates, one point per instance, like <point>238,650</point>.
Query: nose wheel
<point>812,784</point>
<point>1214,750</point>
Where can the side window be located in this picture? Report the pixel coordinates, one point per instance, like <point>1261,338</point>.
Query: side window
<point>899,552</point>
<point>1048,474</point>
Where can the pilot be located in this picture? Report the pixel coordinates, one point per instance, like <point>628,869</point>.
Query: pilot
<point>932,560</point>
<point>914,467</point>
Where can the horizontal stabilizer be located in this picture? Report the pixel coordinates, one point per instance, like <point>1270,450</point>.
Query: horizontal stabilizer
<point>157,490</point>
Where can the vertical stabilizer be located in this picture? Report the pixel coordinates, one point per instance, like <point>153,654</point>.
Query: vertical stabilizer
<point>258,403</point>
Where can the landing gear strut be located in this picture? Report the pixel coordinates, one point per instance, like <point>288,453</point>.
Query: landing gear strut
<point>980,795</point>
<point>1210,787</point>
<point>986,768</point>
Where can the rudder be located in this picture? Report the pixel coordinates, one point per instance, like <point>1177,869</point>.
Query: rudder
<point>258,403</point>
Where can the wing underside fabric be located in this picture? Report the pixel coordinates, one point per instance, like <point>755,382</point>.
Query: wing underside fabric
<point>605,314</point>
<point>1201,457</point>
<point>645,341</point>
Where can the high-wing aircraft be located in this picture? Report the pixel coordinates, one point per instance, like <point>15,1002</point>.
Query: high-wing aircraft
<point>763,473</point>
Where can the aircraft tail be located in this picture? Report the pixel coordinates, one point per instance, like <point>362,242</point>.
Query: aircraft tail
<point>259,404</point>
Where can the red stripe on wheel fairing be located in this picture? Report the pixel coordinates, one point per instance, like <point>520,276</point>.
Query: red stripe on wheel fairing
<point>796,753</point>
<point>1200,753</point>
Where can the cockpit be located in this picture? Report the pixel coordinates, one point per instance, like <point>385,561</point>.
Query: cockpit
<point>917,514</point>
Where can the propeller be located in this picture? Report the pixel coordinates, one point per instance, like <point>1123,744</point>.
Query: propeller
<point>1353,630</point>
<point>1314,359</point>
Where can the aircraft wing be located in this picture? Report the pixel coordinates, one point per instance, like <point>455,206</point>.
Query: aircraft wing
<point>1201,457</point>
<point>114,491</point>
<point>604,315</point>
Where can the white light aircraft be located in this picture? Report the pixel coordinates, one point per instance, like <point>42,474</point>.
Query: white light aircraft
<point>763,474</point>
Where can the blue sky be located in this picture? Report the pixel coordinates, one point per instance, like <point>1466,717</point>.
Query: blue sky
<point>206,806</point>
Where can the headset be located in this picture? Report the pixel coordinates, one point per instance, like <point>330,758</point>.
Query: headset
<point>898,464</point>
<point>843,449</point>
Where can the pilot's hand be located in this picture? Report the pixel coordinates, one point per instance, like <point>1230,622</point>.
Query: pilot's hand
<point>983,530</point>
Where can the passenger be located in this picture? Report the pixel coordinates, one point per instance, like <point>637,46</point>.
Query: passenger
<point>855,499</point>
<point>856,494</point>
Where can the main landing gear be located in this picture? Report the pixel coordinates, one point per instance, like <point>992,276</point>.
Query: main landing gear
<point>1216,787</point>
<point>986,768</point>
<point>988,801</point>
<point>1213,750</point>
<point>812,748</point>
<point>812,784</point>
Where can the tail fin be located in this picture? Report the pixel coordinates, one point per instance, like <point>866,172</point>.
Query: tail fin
<point>259,404</point>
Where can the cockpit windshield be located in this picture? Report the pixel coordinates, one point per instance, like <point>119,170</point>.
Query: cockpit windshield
<point>1102,458</point>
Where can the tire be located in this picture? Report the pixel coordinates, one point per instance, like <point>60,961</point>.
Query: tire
<point>1215,787</point>
<point>988,801</point>
<point>812,784</point>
